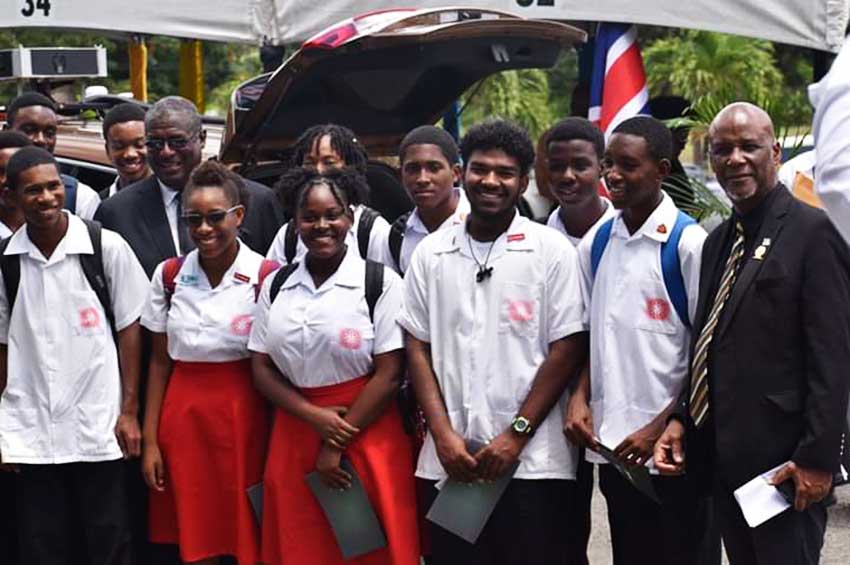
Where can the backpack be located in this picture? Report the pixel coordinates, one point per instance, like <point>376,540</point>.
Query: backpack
<point>364,230</point>
<point>70,192</point>
<point>92,266</point>
<point>172,267</point>
<point>671,269</point>
<point>396,238</point>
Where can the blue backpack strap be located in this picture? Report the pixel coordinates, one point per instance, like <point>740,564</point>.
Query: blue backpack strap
<point>70,193</point>
<point>671,269</point>
<point>600,242</point>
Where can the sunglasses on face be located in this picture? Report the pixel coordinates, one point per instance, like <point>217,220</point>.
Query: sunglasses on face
<point>195,219</point>
<point>175,143</point>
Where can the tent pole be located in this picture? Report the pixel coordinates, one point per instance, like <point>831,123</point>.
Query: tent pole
<point>138,51</point>
<point>192,72</point>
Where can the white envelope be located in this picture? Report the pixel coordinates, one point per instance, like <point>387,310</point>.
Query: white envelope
<point>759,500</point>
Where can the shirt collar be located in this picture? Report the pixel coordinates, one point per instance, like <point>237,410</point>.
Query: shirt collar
<point>752,220</point>
<point>657,226</point>
<point>414,222</point>
<point>168,194</point>
<point>515,238</point>
<point>242,271</point>
<point>75,241</point>
<point>350,273</point>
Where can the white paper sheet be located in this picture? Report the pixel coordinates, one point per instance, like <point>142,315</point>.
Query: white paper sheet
<point>759,500</point>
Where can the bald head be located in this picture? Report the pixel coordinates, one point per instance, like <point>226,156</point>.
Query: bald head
<point>744,154</point>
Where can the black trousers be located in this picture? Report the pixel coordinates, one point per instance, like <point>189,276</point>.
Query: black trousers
<point>54,502</point>
<point>578,514</point>
<point>678,531</point>
<point>8,530</point>
<point>791,538</point>
<point>526,527</point>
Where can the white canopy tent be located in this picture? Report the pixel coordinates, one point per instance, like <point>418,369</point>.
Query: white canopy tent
<point>818,24</point>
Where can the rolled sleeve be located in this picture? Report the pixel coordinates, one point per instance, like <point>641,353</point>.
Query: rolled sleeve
<point>155,312</point>
<point>257,339</point>
<point>414,315</point>
<point>566,311</point>
<point>388,334</point>
<point>128,284</point>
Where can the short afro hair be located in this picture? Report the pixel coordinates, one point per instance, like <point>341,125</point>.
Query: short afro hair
<point>659,139</point>
<point>499,134</point>
<point>126,112</point>
<point>213,174</point>
<point>343,141</point>
<point>175,111</point>
<point>577,128</point>
<point>26,100</point>
<point>24,160</point>
<point>431,135</point>
<point>10,139</point>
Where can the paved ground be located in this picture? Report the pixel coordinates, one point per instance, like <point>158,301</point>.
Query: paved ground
<point>836,550</point>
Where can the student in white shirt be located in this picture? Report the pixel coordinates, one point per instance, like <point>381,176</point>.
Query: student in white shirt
<point>639,342</point>
<point>430,172</point>
<point>332,369</point>
<point>11,215</point>
<point>572,154</point>
<point>68,414</point>
<point>494,319</point>
<point>323,148</point>
<point>202,409</point>
<point>34,115</point>
<point>124,138</point>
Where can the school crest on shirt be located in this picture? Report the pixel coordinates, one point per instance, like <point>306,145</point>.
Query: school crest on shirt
<point>241,325</point>
<point>350,338</point>
<point>521,310</point>
<point>657,309</point>
<point>89,318</point>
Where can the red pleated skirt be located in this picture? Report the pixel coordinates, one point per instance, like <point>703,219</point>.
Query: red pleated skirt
<point>213,434</point>
<point>295,530</point>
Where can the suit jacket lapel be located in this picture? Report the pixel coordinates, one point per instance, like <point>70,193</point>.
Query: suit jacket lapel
<point>712,270</point>
<point>770,229</point>
<point>155,219</point>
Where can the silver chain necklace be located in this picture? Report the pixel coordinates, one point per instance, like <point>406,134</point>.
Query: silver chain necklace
<point>484,272</point>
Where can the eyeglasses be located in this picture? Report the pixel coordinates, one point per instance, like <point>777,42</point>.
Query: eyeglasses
<point>213,218</point>
<point>176,143</point>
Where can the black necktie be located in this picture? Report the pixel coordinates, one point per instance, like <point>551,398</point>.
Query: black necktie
<point>186,243</point>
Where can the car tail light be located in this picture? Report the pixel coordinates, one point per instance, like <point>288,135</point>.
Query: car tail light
<point>332,38</point>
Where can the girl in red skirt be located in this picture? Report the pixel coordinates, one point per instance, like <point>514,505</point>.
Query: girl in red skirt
<point>333,373</point>
<point>206,428</point>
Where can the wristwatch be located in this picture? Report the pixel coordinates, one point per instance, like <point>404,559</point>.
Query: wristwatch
<point>522,426</point>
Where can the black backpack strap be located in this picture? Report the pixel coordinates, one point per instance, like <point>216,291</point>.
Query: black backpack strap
<point>92,266</point>
<point>10,268</point>
<point>374,285</point>
<point>396,237</point>
<point>290,242</point>
<point>279,278</point>
<point>364,230</point>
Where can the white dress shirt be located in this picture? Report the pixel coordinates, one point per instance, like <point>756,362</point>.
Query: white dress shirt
<point>415,231</point>
<point>831,128</point>
<point>557,223</point>
<point>63,395</point>
<point>377,241</point>
<point>87,201</point>
<point>638,344</point>
<point>170,201</point>
<point>323,336</point>
<point>5,231</point>
<point>489,339</point>
<point>206,324</point>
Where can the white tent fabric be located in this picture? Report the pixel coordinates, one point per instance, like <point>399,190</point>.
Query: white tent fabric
<point>809,23</point>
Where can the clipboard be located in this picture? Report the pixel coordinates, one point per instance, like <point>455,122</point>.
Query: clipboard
<point>351,516</point>
<point>638,476</point>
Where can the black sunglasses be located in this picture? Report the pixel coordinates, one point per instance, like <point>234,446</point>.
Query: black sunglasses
<point>176,143</point>
<point>213,218</point>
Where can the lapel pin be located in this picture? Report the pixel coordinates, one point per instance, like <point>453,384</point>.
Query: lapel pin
<point>661,228</point>
<point>766,242</point>
<point>758,255</point>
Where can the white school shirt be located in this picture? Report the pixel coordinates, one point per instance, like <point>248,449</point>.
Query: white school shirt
<point>323,336</point>
<point>88,201</point>
<point>415,231</point>
<point>557,223</point>
<point>5,231</point>
<point>489,339</point>
<point>170,200</point>
<point>638,344</point>
<point>831,129</point>
<point>378,238</point>
<point>63,395</point>
<point>206,324</point>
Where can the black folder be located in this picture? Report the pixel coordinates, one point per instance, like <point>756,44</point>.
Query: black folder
<point>638,476</point>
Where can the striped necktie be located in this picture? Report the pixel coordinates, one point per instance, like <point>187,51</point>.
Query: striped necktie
<point>699,365</point>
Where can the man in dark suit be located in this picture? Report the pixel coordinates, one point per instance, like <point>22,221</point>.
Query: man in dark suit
<point>770,351</point>
<point>147,213</point>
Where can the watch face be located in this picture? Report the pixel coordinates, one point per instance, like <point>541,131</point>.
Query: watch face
<point>520,425</point>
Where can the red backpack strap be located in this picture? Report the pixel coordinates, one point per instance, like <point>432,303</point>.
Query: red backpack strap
<point>169,276</point>
<point>267,267</point>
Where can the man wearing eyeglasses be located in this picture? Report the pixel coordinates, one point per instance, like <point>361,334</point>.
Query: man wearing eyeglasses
<point>148,213</point>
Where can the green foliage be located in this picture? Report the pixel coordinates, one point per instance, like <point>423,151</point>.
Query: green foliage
<point>522,96</point>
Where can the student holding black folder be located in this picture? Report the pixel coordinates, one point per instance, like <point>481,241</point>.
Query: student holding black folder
<point>494,318</point>
<point>328,354</point>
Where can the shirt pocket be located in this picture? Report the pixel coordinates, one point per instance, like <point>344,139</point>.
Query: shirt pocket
<point>94,427</point>
<point>653,311</point>
<point>519,309</point>
<point>20,431</point>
